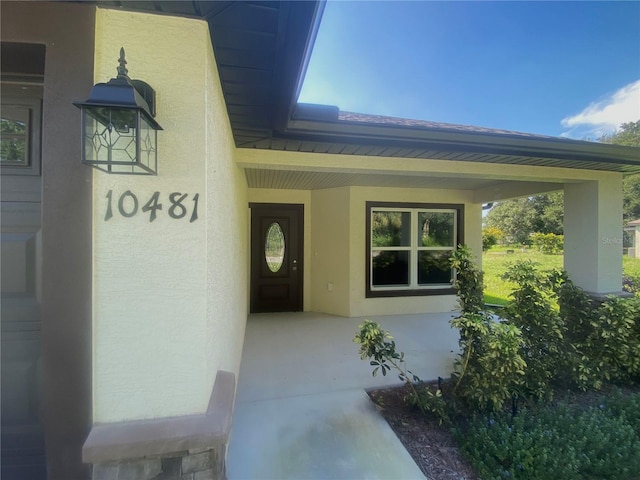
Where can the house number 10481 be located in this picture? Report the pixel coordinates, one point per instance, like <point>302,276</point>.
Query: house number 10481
<point>128,205</point>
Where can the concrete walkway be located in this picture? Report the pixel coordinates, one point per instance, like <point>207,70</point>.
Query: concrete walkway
<point>301,409</point>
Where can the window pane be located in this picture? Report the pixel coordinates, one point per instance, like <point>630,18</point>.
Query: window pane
<point>391,229</point>
<point>390,268</point>
<point>435,229</point>
<point>110,135</point>
<point>14,135</point>
<point>274,247</point>
<point>12,150</point>
<point>434,267</point>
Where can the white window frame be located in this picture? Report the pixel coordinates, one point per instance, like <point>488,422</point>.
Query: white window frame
<point>413,288</point>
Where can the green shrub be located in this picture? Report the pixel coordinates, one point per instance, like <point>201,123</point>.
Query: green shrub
<point>490,237</point>
<point>548,243</point>
<point>601,442</point>
<point>578,315</point>
<point>379,347</point>
<point>489,369</point>
<point>615,344</point>
<point>625,406</point>
<point>469,284</point>
<point>602,341</point>
<point>531,310</point>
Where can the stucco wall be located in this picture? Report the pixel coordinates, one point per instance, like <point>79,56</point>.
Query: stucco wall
<point>169,307</point>
<point>330,284</point>
<point>593,233</point>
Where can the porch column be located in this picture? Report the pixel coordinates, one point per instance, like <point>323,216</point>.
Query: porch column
<point>593,233</point>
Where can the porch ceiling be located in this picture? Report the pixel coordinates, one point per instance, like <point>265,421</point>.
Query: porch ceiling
<point>303,180</point>
<point>262,49</point>
<point>486,189</point>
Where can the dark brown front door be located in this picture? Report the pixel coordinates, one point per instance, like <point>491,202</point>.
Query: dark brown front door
<point>276,257</point>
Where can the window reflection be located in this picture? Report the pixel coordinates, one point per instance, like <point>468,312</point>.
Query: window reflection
<point>274,247</point>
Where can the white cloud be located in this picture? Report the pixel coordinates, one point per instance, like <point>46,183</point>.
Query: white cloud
<point>606,115</point>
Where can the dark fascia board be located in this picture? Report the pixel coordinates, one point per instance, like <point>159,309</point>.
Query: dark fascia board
<point>443,139</point>
<point>308,49</point>
<point>300,21</point>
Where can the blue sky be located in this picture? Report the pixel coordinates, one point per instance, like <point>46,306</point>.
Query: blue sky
<point>553,68</point>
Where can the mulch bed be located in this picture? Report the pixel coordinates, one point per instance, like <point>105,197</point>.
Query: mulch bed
<point>431,445</point>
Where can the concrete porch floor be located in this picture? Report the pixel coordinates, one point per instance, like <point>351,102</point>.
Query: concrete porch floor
<point>301,409</point>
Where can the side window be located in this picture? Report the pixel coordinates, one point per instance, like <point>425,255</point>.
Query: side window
<point>20,133</point>
<point>22,66</point>
<point>409,246</point>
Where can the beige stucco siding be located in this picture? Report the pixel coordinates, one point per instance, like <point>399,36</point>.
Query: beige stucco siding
<point>169,294</point>
<point>593,233</point>
<point>331,251</point>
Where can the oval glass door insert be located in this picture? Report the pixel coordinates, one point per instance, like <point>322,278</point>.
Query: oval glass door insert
<point>274,247</point>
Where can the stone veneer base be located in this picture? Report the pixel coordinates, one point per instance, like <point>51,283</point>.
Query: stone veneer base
<point>190,447</point>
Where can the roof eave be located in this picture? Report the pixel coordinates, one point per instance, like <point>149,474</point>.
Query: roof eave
<point>456,141</point>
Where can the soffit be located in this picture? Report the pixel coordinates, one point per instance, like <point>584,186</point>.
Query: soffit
<point>260,48</point>
<point>310,180</point>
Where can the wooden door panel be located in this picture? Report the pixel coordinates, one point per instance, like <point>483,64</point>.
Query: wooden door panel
<point>276,277</point>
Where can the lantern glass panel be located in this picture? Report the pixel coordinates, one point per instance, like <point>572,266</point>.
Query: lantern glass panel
<point>110,135</point>
<point>119,140</point>
<point>148,145</point>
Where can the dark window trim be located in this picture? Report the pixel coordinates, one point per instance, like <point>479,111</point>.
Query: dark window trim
<point>22,66</point>
<point>459,207</point>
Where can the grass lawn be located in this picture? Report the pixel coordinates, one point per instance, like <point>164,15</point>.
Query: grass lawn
<point>496,261</point>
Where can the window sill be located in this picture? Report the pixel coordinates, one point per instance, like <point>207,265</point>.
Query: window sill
<point>410,293</point>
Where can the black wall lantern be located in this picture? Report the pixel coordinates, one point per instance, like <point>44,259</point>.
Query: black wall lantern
<point>119,133</point>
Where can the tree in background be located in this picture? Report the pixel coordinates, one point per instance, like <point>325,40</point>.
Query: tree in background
<point>549,209</point>
<point>629,135</point>
<point>490,237</point>
<point>519,217</point>
<point>516,218</point>
<point>544,213</point>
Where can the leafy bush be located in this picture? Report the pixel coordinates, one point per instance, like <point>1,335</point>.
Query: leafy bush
<point>603,340</point>
<point>490,237</point>
<point>601,442</point>
<point>542,329</point>
<point>614,345</point>
<point>489,369</point>
<point>379,347</point>
<point>630,284</point>
<point>468,281</point>
<point>548,243</point>
<point>627,406</point>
